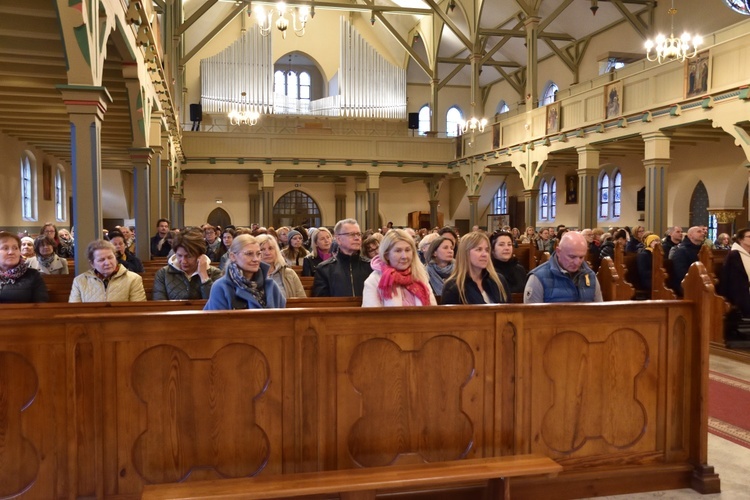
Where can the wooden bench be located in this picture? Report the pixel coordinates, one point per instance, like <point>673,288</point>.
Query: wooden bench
<point>363,484</point>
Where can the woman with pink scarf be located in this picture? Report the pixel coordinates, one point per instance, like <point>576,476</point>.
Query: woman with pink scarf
<point>398,277</point>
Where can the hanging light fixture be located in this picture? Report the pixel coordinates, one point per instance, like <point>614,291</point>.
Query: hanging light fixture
<point>474,124</point>
<point>244,115</point>
<point>300,16</point>
<point>672,48</point>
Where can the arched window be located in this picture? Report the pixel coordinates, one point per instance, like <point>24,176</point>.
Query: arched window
<point>424,120</point>
<point>604,196</point>
<point>292,84</point>
<point>549,94</point>
<point>548,199</point>
<point>500,200</point>
<point>616,191</point>
<point>28,187</point>
<point>60,194</point>
<point>453,119</point>
<point>713,227</point>
<point>296,208</point>
<point>502,107</point>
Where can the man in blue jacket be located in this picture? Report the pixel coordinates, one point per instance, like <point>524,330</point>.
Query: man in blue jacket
<point>565,277</point>
<point>683,256</point>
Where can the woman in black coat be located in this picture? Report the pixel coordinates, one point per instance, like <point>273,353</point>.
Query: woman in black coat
<point>18,283</point>
<point>506,265</point>
<point>474,280</point>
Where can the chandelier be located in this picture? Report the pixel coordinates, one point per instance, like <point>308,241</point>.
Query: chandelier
<point>473,124</point>
<point>243,116</point>
<point>672,48</point>
<point>301,14</point>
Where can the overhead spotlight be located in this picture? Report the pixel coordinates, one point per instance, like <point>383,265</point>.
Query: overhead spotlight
<point>452,5</point>
<point>594,6</point>
<point>372,18</point>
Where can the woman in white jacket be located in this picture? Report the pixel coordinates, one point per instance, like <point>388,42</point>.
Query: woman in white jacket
<point>398,277</point>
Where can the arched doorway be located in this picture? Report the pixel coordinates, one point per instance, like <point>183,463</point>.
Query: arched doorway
<point>296,208</point>
<point>219,217</point>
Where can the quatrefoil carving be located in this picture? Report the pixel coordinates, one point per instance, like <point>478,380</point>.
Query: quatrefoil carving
<point>410,401</point>
<point>19,459</point>
<point>594,388</point>
<point>194,418</point>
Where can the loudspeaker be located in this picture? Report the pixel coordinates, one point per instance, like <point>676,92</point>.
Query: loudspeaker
<point>413,121</point>
<point>196,113</point>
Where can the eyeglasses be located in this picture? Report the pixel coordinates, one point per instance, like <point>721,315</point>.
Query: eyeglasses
<point>251,254</point>
<point>351,235</point>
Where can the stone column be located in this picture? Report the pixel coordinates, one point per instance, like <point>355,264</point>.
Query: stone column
<point>373,201</point>
<point>141,159</point>
<point>433,189</point>
<point>434,92</point>
<point>165,178</point>
<point>86,107</point>
<point>266,195</point>
<point>588,171</point>
<point>254,200</point>
<point>181,212</point>
<point>530,203</point>
<point>656,161</point>
<point>531,25</point>
<point>340,201</point>
<point>360,201</point>
<point>473,210</point>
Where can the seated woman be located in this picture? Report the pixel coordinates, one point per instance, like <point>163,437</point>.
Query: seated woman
<point>644,263</point>
<point>608,247</point>
<point>124,256</point>
<point>528,237</point>
<point>226,241</point>
<point>370,246</point>
<point>440,263</point>
<point>636,241</point>
<point>295,253</point>
<point>722,242</point>
<point>397,278</point>
<point>320,251</point>
<point>423,246</point>
<point>214,248</point>
<point>474,280</point>
<point>106,281</point>
<point>27,247</point>
<point>18,282</point>
<point>505,264</point>
<point>245,284</point>
<point>188,273</point>
<point>46,260</point>
<point>284,276</point>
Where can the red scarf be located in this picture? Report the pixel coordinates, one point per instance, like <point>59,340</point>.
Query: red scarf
<point>391,277</point>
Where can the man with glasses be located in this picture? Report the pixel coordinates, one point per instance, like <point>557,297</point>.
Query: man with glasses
<point>344,274</point>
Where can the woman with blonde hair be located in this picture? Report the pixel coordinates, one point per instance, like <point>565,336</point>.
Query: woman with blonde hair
<point>474,280</point>
<point>320,250</point>
<point>398,277</point>
<point>284,276</point>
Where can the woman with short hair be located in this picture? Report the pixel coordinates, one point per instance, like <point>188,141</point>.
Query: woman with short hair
<point>245,285</point>
<point>27,247</point>
<point>322,241</point>
<point>46,261</point>
<point>474,280</point>
<point>188,273</point>
<point>226,241</point>
<point>398,278</point>
<point>106,281</point>
<point>18,282</point>
<point>284,276</point>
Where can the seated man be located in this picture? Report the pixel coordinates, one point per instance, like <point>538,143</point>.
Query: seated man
<point>159,245</point>
<point>344,274</point>
<point>685,254</point>
<point>124,257</point>
<point>565,277</point>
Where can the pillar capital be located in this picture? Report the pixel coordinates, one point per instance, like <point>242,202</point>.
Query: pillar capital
<point>725,215</point>
<point>85,99</point>
<point>141,155</point>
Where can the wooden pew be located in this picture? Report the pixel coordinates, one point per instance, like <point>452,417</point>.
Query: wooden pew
<point>365,483</point>
<point>611,277</point>
<point>116,402</point>
<point>52,310</point>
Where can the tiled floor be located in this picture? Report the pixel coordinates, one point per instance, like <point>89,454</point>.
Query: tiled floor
<point>730,461</point>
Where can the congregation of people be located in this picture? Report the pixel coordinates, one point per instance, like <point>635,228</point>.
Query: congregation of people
<point>256,267</point>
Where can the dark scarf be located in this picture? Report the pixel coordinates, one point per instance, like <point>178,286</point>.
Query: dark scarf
<point>46,261</point>
<point>254,286</point>
<point>10,276</point>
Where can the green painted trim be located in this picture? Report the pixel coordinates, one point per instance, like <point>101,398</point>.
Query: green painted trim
<point>82,37</point>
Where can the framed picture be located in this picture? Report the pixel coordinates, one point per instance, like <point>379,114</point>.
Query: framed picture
<point>497,221</point>
<point>495,135</point>
<point>571,189</point>
<point>553,118</point>
<point>697,74</point>
<point>47,181</point>
<point>613,100</point>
